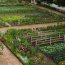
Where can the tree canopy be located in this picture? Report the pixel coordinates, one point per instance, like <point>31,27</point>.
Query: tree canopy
<point>58,2</point>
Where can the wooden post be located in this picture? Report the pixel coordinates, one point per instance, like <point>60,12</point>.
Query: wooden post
<point>59,34</point>
<point>64,38</point>
<point>41,34</point>
<point>50,40</point>
<point>27,36</point>
<point>38,33</point>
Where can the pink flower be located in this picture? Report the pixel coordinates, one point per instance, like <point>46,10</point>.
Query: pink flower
<point>22,47</point>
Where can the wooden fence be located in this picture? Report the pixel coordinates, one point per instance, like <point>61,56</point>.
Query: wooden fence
<point>47,40</point>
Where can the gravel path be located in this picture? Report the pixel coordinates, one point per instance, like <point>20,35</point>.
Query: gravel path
<point>3,30</point>
<point>8,58</point>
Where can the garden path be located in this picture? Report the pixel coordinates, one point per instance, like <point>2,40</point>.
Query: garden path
<point>3,30</point>
<point>8,58</point>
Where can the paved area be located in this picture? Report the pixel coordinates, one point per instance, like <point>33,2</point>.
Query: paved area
<point>8,58</point>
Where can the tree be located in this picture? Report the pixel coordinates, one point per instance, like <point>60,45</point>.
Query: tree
<point>60,2</point>
<point>48,1</point>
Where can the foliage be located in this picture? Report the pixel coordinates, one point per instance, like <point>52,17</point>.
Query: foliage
<point>56,52</point>
<point>33,15</point>
<point>58,2</point>
<point>11,18</point>
<point>56,27</point>
<point>33,19</point>
<point>14,39</point>
<point>16,9</point>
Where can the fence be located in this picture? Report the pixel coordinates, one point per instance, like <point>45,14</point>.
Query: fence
<point>47,39</point>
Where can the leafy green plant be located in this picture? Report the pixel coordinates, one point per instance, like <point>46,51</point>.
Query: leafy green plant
<point>56,52</point>
<point>11,18</point>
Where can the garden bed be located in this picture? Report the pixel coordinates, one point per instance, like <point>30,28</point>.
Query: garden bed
<point>29,55</point>
<point>28,15</point>
<point>14,38</point>
<point>56,52</point>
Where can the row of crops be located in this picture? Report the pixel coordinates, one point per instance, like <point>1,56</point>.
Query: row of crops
<point>17,9</point>
<point>28,15</point>
<point>56,52</point>
<point>29,20</point>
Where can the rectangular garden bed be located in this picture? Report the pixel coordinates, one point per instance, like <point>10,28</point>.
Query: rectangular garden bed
<point>28,15</point>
